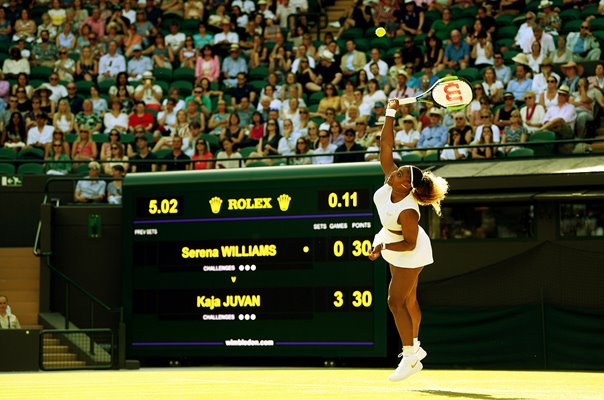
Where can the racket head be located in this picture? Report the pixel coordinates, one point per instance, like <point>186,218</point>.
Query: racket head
<point>452,92</point>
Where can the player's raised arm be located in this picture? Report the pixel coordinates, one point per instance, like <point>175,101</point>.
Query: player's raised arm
<point>387,138</point>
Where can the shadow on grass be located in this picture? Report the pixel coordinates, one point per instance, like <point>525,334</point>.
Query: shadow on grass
<point>462,395</point>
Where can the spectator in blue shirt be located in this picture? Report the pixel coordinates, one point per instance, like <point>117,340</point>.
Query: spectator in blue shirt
<point>457,53</point>
<point>233,65</point>
<point>520,84</point>
<point>434,135</point>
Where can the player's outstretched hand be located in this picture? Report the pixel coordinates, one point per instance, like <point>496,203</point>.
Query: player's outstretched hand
<point>375,253</point>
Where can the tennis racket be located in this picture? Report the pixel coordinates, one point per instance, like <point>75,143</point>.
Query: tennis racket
<point>449,92</point>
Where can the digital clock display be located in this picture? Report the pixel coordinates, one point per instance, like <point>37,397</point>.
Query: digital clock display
<point>254,262</point>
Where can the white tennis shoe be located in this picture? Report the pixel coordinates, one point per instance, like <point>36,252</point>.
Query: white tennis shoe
<point>408,366</point>
<point>420,353</point>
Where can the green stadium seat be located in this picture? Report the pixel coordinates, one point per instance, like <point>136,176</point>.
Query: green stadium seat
<point>432,16</point>
<point>543,136</point>
<point>126,138</point>
<point>597,24</point>
<point>362,44</point>
<point>83,87</point>
<point>504,20</point>
<point>383,43</point>
<point>588,12</point>
<point>315,98</point>
<point>253,164</point>
<point>507,32</point>
<point>7,169</point>
<point>410,157</point>
<point>32,153</point>
<point>246,151</point>
<point>431,157</point>
<point>419,38</point>
<point>185,74</point>
<point>183,86</point>
<point>71,137</point>
<point>190,26</point>
<point>81,170</point>
<point>7,153</point>
<point>470,73</point>
<point>444,72</point>
<point>161,154</point>
<point>30,169</point>
<point>468,13</point>
<point>165,86</point>
<point>508,55</point>
<point>40,72</point>
<point>258,73</point>
<point>100,138</point>
<point>4,47</point>
<point>572,26</point>
<point>570,14</point>
<point>317,120</point>
<point>442,34</point>
<point>163,74</point>
<point>521,152</point>
<point>353,33</point>
<point>258,85</point>
<point>459,24</point>
<point>105,85</point>
<point>506,42</point>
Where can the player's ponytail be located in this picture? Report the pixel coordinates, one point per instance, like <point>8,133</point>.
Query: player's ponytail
<point>428,189</point>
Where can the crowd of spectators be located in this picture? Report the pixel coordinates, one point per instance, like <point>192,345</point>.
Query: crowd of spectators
<point>145,86</point>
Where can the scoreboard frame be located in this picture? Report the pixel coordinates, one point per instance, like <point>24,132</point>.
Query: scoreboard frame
<point>259,262</point>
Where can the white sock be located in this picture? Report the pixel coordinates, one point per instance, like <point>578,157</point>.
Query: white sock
<point>416,344</point>
<point>408,351</point>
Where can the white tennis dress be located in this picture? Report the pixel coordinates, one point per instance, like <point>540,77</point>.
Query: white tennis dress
<point>389,213</point>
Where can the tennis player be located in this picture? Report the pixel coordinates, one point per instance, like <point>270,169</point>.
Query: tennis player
<point>403,243</point>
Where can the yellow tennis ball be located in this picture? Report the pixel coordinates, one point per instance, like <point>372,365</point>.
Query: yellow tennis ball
<point>379,32</point>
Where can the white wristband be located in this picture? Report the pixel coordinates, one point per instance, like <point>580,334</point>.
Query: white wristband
<point>390,112</point>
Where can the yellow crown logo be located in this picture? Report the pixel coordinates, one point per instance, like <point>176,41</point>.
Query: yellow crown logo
<point>215,204</point>
<point>283,201</point>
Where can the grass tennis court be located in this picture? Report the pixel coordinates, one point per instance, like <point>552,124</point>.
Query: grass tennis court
<point>300,383</point>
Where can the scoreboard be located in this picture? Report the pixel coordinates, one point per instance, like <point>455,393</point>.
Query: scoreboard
<point>259,262</point>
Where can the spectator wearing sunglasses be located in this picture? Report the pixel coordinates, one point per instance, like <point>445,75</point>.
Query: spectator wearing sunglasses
<point>583,44</point>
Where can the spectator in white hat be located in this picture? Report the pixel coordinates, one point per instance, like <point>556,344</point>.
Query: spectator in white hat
<point>561,118</point>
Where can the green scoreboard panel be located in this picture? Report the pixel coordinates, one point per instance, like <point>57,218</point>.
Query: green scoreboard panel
<point>254,262</point>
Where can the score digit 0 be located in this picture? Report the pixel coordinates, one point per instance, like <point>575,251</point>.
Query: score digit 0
<point>359,248</point>
<point>359,299</point>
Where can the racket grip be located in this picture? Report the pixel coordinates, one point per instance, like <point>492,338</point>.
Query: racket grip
<point>407,100</point>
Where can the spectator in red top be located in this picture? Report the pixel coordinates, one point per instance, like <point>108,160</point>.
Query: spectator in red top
<point>202,155</point>
<point>141,118</point>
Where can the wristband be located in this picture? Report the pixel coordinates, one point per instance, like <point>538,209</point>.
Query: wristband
<point>383,246</point>
<point>390,112</point>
